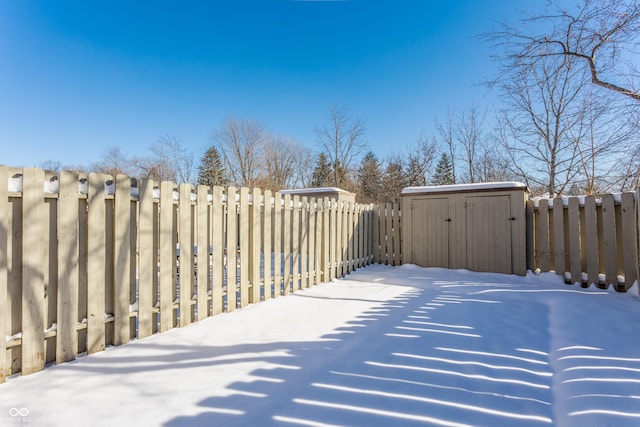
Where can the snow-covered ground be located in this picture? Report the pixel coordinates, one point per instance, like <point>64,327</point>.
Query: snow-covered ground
<point>387,346</point>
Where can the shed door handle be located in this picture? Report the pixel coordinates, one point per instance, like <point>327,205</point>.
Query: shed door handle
<point>448,220</point>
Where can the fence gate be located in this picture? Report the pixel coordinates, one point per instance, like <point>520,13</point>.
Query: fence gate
<point>480,227</point>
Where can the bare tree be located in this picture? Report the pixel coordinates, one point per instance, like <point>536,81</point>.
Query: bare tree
<point>170,157</point>
<point>342,141</point>
<point>468,134</point>
<point>241,143</point>
<point>281,158</point>
<point>536,129</point>
<point>601,35</point>
<point>420,159</point>
<point>601,137</point>
<point>113,162</point>
<point>304,164</point>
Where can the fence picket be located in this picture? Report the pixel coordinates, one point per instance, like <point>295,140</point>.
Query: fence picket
<point>122,251</point>
<point>34,262</point>
<point>326,240</point>
<point>244,230</point>
<point>559,256</point>
<point>304,243</point>
<point>267,246</point>
<point>203,232</point>
<point>590,239</point>
<point>313,230</point>
<point>295,243</point>
<point>255,246</point>
<point>609,237</point>
<point>148,263</point>
<point>350,235</point>
<point>286,246</point>
<point>377,223</point>
<point>217,251</point>
<point>167,263</point>
<point>5,369</point>
<point>542,235</point>
<point>574,241</point>
<point>277,244</point>
<point>185,238</point>
<point>629,246</point>
<point>232,248</point>
<point>332,212</point>
<point>68,249</point>
<point>96,336</point>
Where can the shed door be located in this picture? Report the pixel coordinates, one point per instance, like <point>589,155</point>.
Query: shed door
<point>489,233</point>
<point>430,232</point>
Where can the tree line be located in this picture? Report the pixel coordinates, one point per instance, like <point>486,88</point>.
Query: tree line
<point>568,124</point>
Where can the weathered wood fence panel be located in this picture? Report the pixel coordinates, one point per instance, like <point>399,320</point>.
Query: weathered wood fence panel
<point>587,240</point>
<point>88,262</point>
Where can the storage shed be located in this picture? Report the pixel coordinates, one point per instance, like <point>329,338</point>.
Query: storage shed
<point>480,227</point>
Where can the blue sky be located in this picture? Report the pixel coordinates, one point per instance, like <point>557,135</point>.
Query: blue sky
<point>78,77</point>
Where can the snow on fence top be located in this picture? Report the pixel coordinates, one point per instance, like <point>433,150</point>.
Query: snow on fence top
<point>52,186</point>
<point>482,186</point>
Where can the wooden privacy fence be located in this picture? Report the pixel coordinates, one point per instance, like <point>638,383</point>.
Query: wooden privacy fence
<point>87,262</point>
<point>585,239</point>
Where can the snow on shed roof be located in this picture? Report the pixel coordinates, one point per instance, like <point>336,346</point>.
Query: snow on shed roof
<point>317,190</point>
<point>482,186</point>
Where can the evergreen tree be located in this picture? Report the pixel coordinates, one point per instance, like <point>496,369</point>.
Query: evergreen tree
<point>393,181</point>
<point>369,179</point>
<point>416,174</point>
<point>322,172</point>
<point>444,172</point>
<point>211,171</point>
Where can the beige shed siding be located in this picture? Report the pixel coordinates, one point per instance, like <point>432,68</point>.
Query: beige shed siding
<point>430,232</point>
<point>482,230</point>
<point>489,233</point>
